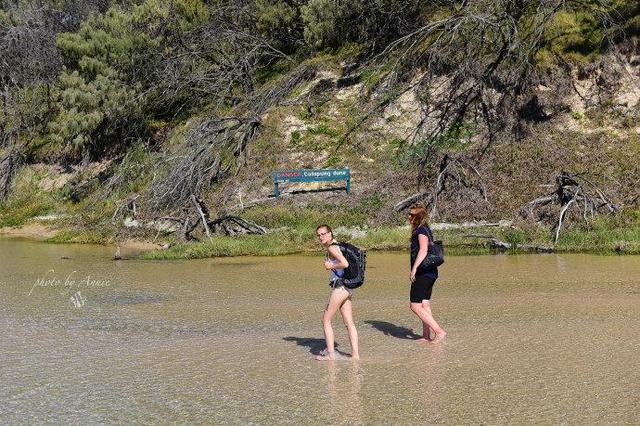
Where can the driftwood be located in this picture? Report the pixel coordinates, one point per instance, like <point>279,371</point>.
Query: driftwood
<point>495,243</point>
<point>190,219</point>
<point>475,224</point>
<point>203,211</point>
<point>571,191</point>
<point>415,198</point>
<point>233,225</point>
<point>226,225</point>
<point>129,205</point>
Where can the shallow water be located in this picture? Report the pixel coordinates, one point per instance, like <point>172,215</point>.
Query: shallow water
<point>532,339</point>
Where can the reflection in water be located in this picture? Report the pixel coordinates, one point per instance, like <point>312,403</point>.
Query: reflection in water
<point>317,346</point>
<point>532,339</point>
<point>345,391</point>
<point>433,371</point>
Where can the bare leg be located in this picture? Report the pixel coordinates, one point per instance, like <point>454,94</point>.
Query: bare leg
<point>423,311</point>
<point>426,330</point>
<point>426,334</point>
<point>347,318</point>
<point>336,298</point>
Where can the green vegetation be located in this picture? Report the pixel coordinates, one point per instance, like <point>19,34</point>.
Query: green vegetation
<point>619,234</point>
<point>118,69</point>
<point>146,87</point>
<point>26,201</point>
<point>457,243</point>
<point>293,232</point>
<point>456,138</point>
<point>272,245</point>
<point>83,236</point>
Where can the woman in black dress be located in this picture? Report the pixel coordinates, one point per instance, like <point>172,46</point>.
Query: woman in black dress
<point>422,280</point>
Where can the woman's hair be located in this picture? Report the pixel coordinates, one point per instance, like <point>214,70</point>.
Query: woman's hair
<point>327,227</point>
<point>421,217</point>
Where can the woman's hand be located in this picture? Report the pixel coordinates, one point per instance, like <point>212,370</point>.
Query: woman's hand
<point>412,275</point>
<point>328,264</point>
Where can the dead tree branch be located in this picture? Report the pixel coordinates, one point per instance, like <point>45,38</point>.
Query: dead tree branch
<point>571,190</point>
<point>452,176</point>
<point>203,212</point>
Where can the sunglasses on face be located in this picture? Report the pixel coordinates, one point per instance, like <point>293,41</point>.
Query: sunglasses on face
<point>322,234</point>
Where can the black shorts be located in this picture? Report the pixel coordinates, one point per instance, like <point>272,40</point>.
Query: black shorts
<point>421,289</point>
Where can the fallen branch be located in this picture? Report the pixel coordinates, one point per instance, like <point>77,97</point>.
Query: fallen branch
<point>233,225</point>
<point>495,243</point>
<point>451,169</point>
<point>561,218</point>
<point>202,210</point>
<point>465,225</point>
<point>501,245</point>
<point>571,190</point>
<point>129,204</point>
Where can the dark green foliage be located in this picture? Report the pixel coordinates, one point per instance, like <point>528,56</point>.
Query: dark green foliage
<point>279,21</point>
<point>454,139</point>
<point>99,96</point>
<point>128,62</point>
<point>332,23</point>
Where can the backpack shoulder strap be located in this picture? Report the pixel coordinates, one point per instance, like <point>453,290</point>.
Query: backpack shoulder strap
<point>429,233</point>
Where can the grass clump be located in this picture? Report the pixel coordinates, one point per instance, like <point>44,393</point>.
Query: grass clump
<point>303,219</point>
<point>26,200</point>
<point>605,235</point>
<point>82,236</point>
<point>275,244</point>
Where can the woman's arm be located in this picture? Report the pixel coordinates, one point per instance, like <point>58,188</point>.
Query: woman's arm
<point>336,254</point>
<point>423,242</point>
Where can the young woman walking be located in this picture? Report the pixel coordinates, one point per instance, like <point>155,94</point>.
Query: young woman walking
<point>339,297</point>
<point>422,280</point>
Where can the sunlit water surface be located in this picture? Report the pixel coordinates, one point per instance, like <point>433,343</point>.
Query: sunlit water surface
<point>532,339</point>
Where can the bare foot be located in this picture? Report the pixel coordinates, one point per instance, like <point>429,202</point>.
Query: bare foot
<point>439,337</point>
<point>423,339</point>
<point>328,357</point>
<point>356,356</point>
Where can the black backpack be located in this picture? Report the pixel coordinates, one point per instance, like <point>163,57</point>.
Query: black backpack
<point>354,274</point>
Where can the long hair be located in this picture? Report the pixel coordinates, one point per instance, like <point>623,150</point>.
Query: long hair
<point>421,216</point>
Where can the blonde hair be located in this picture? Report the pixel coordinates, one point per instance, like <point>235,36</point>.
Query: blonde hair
<point>421,216</point>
